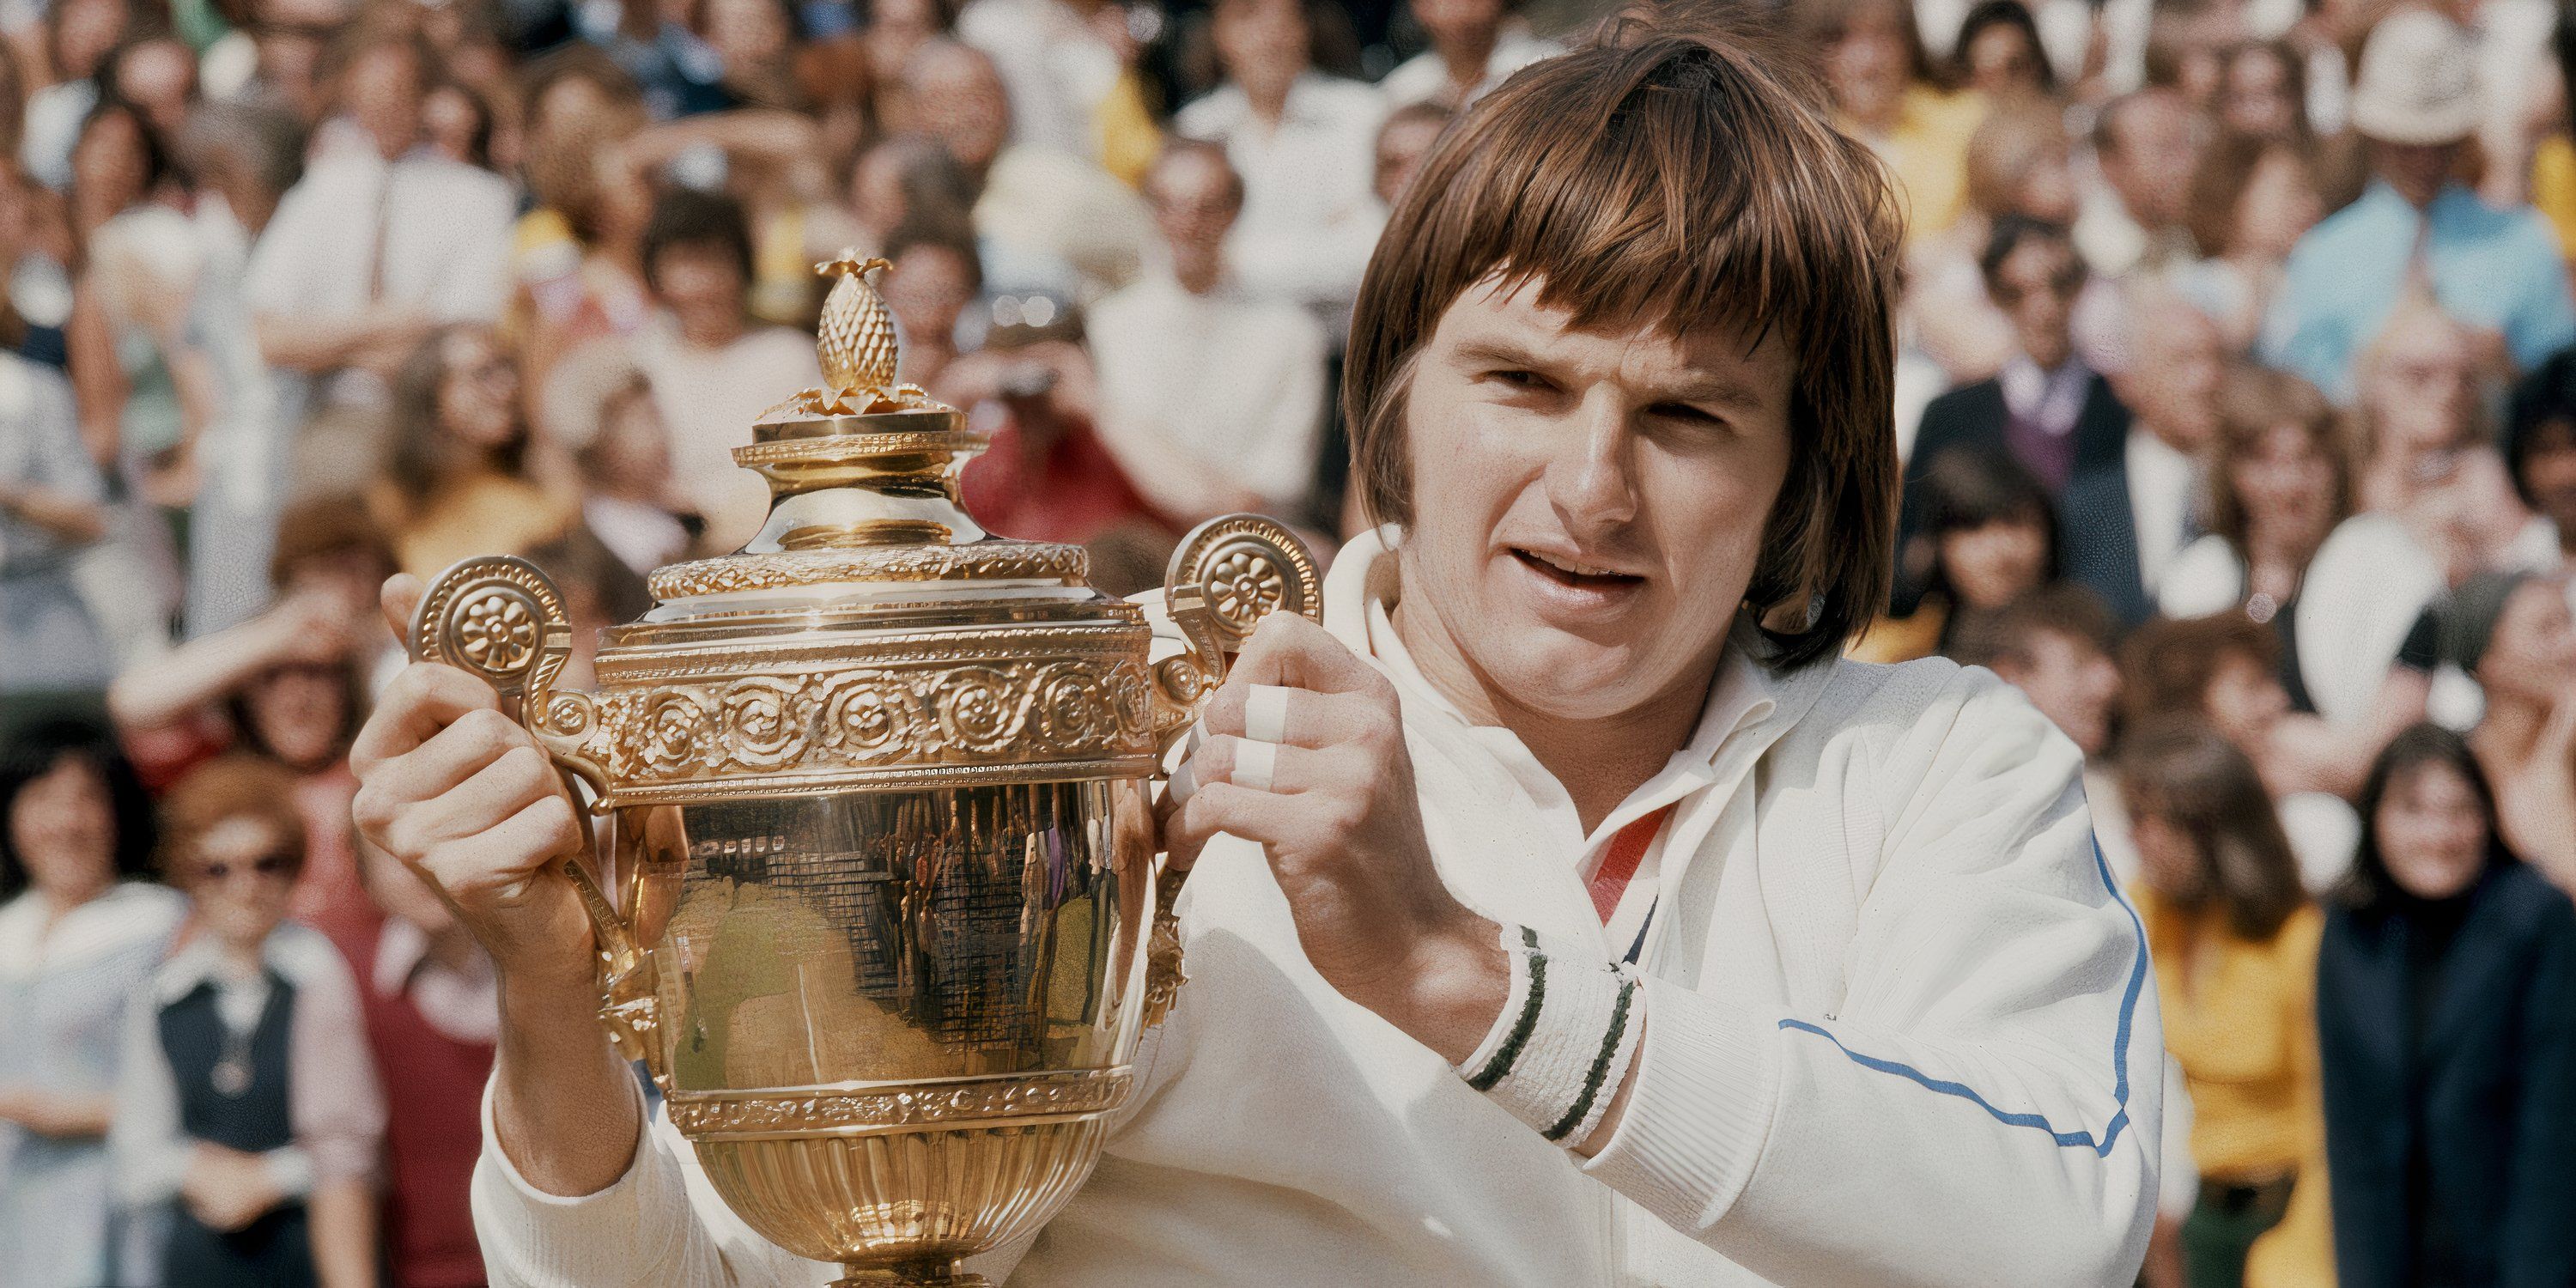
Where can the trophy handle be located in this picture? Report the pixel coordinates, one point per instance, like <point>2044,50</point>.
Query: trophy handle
<point>1226,575</point>
<point>499,619</point>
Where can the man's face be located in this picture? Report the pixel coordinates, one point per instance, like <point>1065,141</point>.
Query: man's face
<point>1263,43</point>
<point>1460,24</point>
<point>959,99</point>
<point>2416,170</point>
<point>2035,286</point>
<point>2151,166</point>
<point>701,285</point>
<point>2172,380</point>
<point>1588,505</point>
<point>2073,683</point>
<point>383,91</point>
<point>1193,203</point>
<point>2549,471</point>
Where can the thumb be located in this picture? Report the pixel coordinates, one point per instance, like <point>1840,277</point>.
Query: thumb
<point>400,598</point>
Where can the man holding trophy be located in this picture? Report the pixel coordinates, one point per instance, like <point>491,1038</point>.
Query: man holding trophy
<point>1562,910</point>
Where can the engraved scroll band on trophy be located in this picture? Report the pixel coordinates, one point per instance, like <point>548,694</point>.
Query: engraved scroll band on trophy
<point>888,919</point>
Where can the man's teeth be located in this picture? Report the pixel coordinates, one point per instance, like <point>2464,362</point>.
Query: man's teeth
<point>1577,569</point>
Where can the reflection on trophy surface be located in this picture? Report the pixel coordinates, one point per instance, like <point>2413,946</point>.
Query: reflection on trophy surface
<point>886,924</point>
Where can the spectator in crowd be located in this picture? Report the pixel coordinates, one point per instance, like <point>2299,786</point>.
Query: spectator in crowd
<point>2512,633</point>
<point>2446,1027</point>
<point>375,245</point>
<point>1999,54</point>
<point>936,278</point>
<point>2263,94</point>
<point>2145,145</point>
<point>2251,199</point>
<point>1986,537</point>
<point>1046,475</point>
<point>2046,409</point>
<point>1475,45</point>
<point>2234,940</point>
<point>81,929</point>
<point>713,370</point>
<point>2346,593</point>
<point>1885,94</point>
<point>2540,457</point>
<point>1301,141</point>
<point>247,1117</point>
<point>464,475</point>
<point>1071,72</point>
<point>2125,523</point>
<point>577,256</point>
<point>139,380</point>
<point>2019,165</point>
<point>600,406</point>
<point>2054,644</point>
<point>2427,459</point>
<point>432,1016</point>
<point>2417,227</point>
<point>2223,670</point>
<point>1214,401</point>
<point>51,505</point>
<point>1031,203</point>
<point>79,35</point>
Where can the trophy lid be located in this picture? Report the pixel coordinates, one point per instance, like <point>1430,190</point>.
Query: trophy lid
<point>863,485</point>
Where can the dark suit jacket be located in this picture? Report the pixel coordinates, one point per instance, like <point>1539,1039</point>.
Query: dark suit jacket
<point>2097,542</point>
<point>1972,417</point>
<point>2495,1093</point>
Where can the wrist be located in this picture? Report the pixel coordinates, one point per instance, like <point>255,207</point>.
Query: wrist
<point>1453,984</point>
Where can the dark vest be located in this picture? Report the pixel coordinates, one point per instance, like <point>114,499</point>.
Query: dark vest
<point>275,1250</point>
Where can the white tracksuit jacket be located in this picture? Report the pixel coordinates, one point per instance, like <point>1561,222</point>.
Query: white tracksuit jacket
<point>1900,1029</point>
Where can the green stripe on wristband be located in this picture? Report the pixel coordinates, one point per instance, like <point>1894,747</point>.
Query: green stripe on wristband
<point>1522,1027</point>
<point>1600,1067</point>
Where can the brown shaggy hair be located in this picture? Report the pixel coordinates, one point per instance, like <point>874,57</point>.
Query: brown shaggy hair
<point>1677,171</point>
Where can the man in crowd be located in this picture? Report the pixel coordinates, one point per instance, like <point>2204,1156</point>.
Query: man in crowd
<point>2145,145</point>
<point>1475,44</point>
<point>2122,523</point>
<point>2417,227</point>
<point>1214,399</point>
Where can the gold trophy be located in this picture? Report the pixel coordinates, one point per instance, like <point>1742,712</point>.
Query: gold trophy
<point>888,921</point>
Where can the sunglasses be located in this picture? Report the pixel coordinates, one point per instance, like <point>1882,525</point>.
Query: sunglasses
<point>271,865</point>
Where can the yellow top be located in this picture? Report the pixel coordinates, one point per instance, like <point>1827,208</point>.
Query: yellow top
<point>2553,188</point>
<point>1927,152</point>
<point>481,513</point>
<point>2240,1023</point>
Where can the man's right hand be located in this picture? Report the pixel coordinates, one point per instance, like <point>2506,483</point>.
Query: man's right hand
<point>467,799</point>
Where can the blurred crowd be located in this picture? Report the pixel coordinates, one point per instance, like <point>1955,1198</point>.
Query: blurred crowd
<point>2237,385</point>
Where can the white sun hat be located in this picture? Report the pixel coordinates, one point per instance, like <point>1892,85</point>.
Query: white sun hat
<point>2418,81</point>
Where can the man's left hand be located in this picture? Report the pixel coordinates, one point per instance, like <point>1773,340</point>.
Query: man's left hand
<point>1342,828</point>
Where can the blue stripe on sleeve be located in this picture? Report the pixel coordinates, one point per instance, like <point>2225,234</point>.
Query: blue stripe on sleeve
<point>2119,1048</point>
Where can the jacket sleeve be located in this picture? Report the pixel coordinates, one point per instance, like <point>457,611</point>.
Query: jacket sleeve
<point>2538,1241</point>
<point>1982,1108</point>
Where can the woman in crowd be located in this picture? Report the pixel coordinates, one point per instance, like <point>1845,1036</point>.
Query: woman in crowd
<point>247,1116</point>
<point>1999,54</point>
<point>2346,592</point>
<point>2512,634</point>
<point>465,476</point>
<point>82,928</point>
<point>2234,941</point>
<point>2446,1025</point>
<point>2426,457</point>
<point>1885,94</point>
<point>1989,536</point>
<point>2263,92</point>
<point>2251,199</point>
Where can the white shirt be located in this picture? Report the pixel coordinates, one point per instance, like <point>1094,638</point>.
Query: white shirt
<point>2164,485</point>
<point>1424,78</point>
<point>2049,399</point>
<point>709,398</point>
<point>1898,1025</point>
<point>1310,213</point>
<point>1235,383</point>
<point>444,244</point>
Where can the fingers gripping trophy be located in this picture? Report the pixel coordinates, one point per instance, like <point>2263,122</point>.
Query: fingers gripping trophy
<point>873,886</point>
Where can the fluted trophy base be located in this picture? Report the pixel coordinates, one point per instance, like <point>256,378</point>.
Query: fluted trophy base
<point>927,1274</point>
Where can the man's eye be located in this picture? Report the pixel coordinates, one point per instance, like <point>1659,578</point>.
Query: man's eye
<point>1685,413</point>
<point>1519,379</point>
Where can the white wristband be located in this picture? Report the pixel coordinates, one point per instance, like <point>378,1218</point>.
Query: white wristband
<point>1563,1043</point>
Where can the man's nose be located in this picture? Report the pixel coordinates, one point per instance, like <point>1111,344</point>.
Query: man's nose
<point>1593,482</point>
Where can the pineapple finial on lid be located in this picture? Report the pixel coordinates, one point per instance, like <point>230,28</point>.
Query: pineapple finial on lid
<point>855,340</point>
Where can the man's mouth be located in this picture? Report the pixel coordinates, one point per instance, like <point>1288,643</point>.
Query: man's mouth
<point>1572,572</point>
